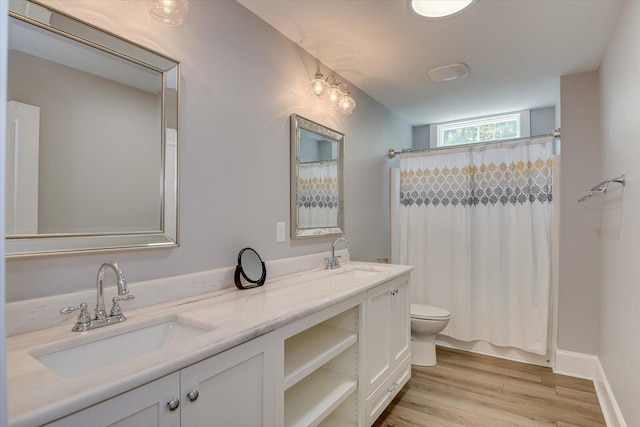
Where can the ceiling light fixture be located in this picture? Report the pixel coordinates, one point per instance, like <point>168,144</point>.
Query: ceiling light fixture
<point>169,12</point>
<point>439,8</point>
<point>448,72</point>
<point>335,93</point>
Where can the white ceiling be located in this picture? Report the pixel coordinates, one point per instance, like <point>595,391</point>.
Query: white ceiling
<point>516,50</point>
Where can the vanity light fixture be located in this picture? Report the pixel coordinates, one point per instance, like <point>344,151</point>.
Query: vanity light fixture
<point>439,8</point>
<point>335,93</point>
<point>170,12</point>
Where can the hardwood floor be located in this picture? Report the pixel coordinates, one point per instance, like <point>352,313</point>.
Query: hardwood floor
<point>471,390</point>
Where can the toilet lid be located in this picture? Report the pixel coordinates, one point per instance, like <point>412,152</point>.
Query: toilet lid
<point>421,311</point>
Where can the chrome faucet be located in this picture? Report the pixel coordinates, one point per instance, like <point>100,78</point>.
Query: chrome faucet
<point>85,321</point>
<point>123,290</point>
<point>332,262</point>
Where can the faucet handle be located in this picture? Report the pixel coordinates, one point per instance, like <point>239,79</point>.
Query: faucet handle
<point>83,318</point>
<point>332,262</point>
<point>68,310</point>
<point>116,310</point>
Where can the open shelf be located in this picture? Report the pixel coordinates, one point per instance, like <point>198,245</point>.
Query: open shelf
<point>310,349</point>
<point>346,415</point>
<point>311,400</point>
<point>332,421</point>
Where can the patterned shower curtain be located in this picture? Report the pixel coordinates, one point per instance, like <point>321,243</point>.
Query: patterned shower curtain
<point>475,223</point>
<point>317,194</point>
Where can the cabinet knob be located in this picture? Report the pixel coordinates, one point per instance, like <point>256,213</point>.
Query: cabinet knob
<point>173,404</point>
<point>193,395</point>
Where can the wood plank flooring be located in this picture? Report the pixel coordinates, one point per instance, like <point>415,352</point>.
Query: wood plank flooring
<point>471,390</point>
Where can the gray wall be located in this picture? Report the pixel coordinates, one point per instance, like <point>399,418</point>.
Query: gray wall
<point>579,275</point>
<point>543,120</point>
<point>241,80</point>
<point>421,137</point>
<point>620,227</point>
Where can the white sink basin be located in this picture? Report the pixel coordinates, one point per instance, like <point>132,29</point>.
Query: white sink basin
<point>362,272</point>
<point>82,358</point>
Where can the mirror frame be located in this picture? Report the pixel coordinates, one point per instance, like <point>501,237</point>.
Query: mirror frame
<point>298,123</point>
<point>21,246</point>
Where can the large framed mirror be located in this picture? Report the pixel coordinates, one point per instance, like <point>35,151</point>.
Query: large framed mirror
<point>317,179</point>
<point>92,138</point>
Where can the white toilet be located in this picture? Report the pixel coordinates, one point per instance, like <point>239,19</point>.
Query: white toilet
<point>426,322</point>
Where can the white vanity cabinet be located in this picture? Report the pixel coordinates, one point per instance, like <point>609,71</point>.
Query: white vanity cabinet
<point>233,388</point>
<point>145,406</point>
<point>335,366</point>
<point>387,349</point>
<point>322,362</point>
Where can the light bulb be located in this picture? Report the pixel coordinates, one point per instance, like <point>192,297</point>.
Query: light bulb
<point>168,6</point>
<point>346,104</point>
<point>318,86</point>
<point>334,94</point>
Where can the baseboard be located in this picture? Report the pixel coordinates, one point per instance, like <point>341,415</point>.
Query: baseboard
<point>610,409</point>
<point>587,366</point>
<point>577,365</point>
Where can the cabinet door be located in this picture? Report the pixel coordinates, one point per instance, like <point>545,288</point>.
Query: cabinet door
<point>234,388</point>
<point>400,322</point>
<point>145,406</point>
<point>378,332</point>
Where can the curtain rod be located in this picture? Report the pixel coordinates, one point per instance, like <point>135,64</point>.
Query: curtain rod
<point>392,153</point>
<point>317,161</point>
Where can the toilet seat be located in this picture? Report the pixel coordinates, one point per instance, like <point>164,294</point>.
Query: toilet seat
<point>428,312</point>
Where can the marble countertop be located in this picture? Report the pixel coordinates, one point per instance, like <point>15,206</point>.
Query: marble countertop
<point>37,395</point>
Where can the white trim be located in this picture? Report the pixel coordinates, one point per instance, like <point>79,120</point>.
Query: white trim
<point>395,215</point>
<point>4,37</point>
<point>555,256</point>
<point>587,366</point>
<point>577,365</point>
<point>608,404</point>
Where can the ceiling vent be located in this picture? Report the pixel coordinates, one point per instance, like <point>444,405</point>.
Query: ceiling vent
<point>449,72</point>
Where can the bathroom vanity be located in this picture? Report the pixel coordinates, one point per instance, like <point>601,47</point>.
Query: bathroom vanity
<point>313,348</point>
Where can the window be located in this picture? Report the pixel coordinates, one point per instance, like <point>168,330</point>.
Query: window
<point>492,128</point>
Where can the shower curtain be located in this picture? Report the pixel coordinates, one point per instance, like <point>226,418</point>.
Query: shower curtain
<point>317,194</point>
<point>475,223</point>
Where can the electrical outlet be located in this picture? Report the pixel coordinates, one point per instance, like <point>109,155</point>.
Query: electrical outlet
<point>280,236</point>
